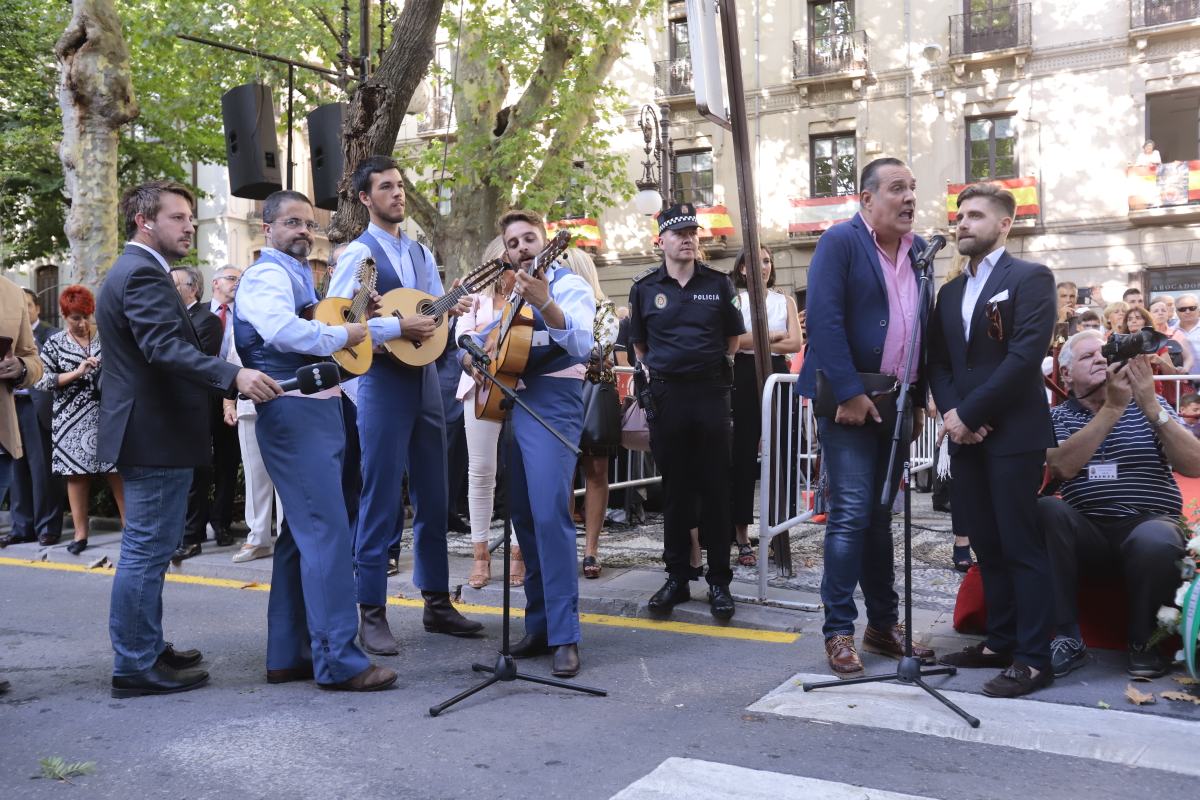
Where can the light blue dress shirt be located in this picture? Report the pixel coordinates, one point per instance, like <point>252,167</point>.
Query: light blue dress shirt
<point>423,276</point>
<point>974,287</point>
<point>265,301</point>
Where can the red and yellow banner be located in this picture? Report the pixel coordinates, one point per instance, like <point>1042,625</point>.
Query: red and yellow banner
<point>585,231</point>
<point>714,221</point>
<point>819,214</point>
<point>1175,183</point>
<point>1023,189</point>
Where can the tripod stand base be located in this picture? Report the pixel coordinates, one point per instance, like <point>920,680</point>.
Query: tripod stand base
<point>506,670</point>
<point>911,673</point>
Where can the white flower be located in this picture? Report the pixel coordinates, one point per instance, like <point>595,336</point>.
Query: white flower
<point>1179,655</point>
<point>1179,594</point>
<point>1168,617</point>
<point>1193,547</point>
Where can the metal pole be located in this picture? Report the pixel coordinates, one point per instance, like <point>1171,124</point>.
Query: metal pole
<point>668,155</point>
<point>291,92</point>
<point>260,54</point>
<point>745,182</point>
<point>364,39</point>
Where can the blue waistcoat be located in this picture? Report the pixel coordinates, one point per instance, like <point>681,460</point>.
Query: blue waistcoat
<point>256,353</point>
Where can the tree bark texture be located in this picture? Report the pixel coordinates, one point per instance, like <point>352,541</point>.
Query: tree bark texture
<point>96,97</point>
<point>378,106</point>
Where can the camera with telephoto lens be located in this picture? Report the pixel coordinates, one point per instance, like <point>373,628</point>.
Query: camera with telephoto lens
<point>1121,347</point>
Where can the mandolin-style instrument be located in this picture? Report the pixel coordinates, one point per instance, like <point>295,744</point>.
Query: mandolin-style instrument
<point>407,303</point>
<point>514,338</point>
<point>355,359</point>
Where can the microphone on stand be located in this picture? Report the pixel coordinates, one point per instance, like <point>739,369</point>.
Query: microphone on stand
<point>467,343</point>
<point>310,379</point>
<point>935,243</point>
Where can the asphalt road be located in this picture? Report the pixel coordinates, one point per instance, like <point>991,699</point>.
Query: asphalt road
<point>671,695</point>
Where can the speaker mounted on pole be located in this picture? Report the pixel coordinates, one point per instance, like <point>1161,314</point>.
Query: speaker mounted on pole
<point>325,153</point>
<point>251,147</point>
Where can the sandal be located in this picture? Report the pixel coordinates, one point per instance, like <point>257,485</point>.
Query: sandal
<point>516,571</point>
<point>746,557</point>
<point>481,574</point>
<point>962,557</point>
<point>591,567</point>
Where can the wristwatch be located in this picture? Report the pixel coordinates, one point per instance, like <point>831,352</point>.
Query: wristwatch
<point>1162,419</point>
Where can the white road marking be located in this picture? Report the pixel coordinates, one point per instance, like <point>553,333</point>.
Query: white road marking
<point>691,779</point>
<point>1115,737</point>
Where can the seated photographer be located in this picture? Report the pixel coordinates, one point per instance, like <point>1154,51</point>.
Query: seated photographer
<point>1117,443</point>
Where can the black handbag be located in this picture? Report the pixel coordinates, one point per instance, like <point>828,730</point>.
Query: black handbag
<point>601,415</point>
<point>882,389</point>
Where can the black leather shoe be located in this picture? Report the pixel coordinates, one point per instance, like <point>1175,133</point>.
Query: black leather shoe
<point>12,538</point>
<point>159,679</point>
<point>672,593</point>
<point>290,674</point>
<point>185,551</point>
<point>179,659</point>
<point>48,539</point>
<point>721,602</point>
<point>566,661</point>
<point>1147,662</point>
<point>224,538</point>
<point>456,524</point>
<point>77,546</point>
<point>374,632</point>
<point>4,686</point>
<point>440,616</point>
<point>533,644</point>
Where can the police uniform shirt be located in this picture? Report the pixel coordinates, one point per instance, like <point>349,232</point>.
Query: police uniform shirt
<point>683,328</point>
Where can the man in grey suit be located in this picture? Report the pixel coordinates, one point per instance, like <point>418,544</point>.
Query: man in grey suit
<point>154,421</point>
<point>36,496</point>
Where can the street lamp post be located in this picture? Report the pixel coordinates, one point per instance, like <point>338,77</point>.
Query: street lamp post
<point>654,192</point>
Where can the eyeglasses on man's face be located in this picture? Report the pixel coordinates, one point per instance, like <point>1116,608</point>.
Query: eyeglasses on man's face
<point>296,222</point>
<point>1185,309</point>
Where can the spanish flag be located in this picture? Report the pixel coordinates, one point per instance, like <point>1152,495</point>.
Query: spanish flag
<point>585,231</point>
<point>1023,189</point>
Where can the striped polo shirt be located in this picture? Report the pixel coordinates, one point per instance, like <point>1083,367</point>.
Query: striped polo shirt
<point>1144,484</point>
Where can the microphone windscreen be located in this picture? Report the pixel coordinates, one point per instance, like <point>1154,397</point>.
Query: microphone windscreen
<point>317,377</point>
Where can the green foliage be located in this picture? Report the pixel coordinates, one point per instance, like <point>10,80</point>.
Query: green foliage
<point>178,86</point>
<point>56,768</point>
<point>566,112</point>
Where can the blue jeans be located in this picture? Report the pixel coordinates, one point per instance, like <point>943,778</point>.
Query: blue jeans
<point>155,508</point>
<point>858,533</point>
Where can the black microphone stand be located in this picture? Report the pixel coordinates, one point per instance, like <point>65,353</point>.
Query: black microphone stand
<point>909,671</point>
<point>505,668</point>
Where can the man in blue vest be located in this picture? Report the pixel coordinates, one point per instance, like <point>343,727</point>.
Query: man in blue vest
<point>311,622</point>
<point>401,422</point>
<point>539,468</point>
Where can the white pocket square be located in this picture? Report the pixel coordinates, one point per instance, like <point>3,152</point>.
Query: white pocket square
<point>999,297</point>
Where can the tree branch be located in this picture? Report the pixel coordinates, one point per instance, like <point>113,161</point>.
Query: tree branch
<point>425,213</point>
<point>557,51</point>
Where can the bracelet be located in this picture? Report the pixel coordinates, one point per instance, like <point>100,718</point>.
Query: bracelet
<point>542,308</point>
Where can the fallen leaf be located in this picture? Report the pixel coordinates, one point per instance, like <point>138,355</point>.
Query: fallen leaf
<point>1186,697</point>
<point>1185,680</point>
<point>249,585</point>
<point>1138,698</point>
<point>1103,704</point>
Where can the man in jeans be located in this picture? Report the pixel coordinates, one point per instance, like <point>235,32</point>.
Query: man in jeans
<point>862,306</point>
<point>154,417</point>
<point>1118,514</point>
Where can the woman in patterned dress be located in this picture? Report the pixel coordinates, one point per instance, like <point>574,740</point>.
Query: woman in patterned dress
<point>594,461</point>
<point>71,359</point>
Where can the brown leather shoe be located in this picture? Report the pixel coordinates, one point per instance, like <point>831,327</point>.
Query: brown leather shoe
<point>843,658</point>
<point>290,674</point>
<point>890,643</point>
<point>973,657</point>
<point>566,661</point>
<point>371,679</point>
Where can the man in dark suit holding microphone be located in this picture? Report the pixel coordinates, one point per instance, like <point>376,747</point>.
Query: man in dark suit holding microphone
<point>154,417</point>
<point>990,331</point>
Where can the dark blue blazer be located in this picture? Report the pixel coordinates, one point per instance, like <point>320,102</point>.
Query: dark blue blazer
<point>156,384</point>
<point>847,310</point>
<point>993,381</point>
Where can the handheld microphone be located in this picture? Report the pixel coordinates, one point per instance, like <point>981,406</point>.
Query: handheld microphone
<point>310,379</point>
<point>935,243</point>
<point>467,343</point>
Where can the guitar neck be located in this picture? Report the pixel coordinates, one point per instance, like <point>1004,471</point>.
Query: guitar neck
<point>446,302</point>
<point>358,304</point>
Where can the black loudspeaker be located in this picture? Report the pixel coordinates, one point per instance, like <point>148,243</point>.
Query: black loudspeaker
<point>325,147</point>
<point>251,149</point>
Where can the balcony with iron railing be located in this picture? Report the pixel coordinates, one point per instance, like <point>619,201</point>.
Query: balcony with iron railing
<point>673,78</point>
<point>824,56</point>
<point>1000,29</point>
<point>1155,13</point>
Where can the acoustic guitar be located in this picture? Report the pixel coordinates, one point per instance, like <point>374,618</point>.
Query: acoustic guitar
<point>407,303</point>
<point>512,339</point>
<point>355,359</point>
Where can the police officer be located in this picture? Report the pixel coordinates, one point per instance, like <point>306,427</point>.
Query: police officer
<point>684,326</point>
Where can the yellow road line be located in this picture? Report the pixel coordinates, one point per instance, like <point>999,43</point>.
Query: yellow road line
<point>608,620</point>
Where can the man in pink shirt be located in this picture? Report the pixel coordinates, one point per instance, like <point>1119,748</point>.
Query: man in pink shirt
<point>862,306</point>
